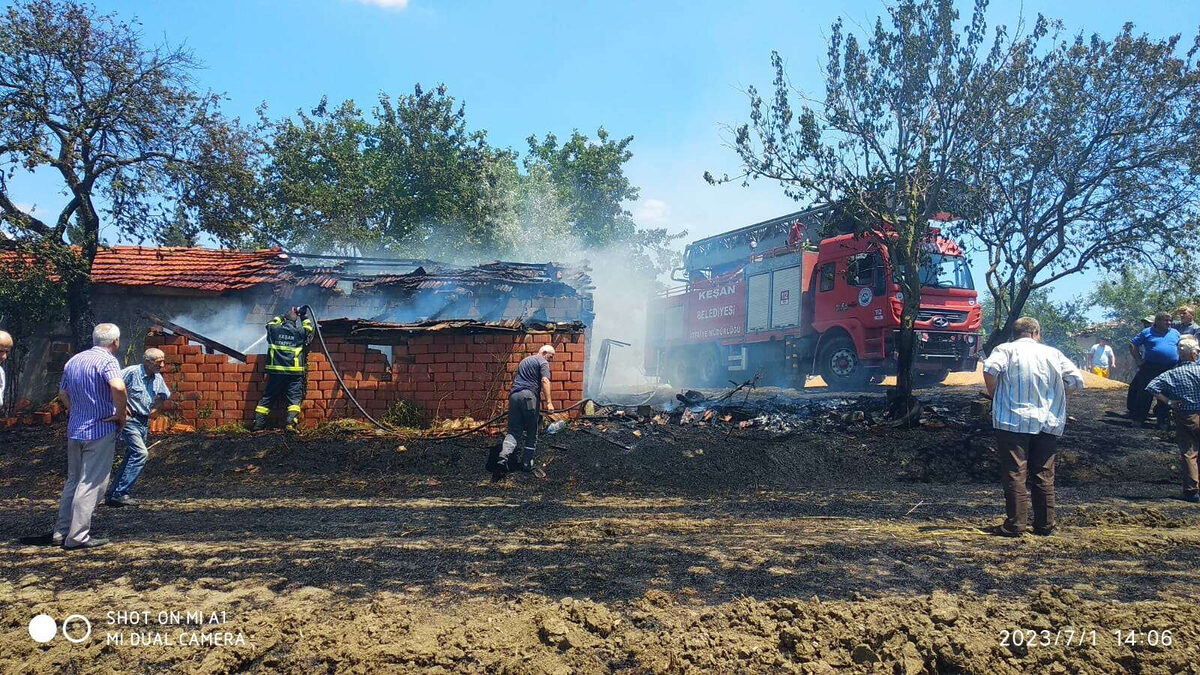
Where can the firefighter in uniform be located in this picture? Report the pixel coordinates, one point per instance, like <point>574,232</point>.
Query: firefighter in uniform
<point>287,358</point>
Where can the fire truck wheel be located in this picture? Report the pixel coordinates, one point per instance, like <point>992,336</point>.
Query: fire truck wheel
<point>929,378</point>
<point>678,372</point>
<point>709,372</point>
<point>840,366</point>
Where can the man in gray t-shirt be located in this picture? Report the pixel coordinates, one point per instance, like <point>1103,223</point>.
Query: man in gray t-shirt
<point>531,388</point>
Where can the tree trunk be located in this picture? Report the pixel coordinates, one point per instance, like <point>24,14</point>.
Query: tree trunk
<point>904,409</point>
<point>79,307</point>
<point>79,281</point>
<point>1004,333</point>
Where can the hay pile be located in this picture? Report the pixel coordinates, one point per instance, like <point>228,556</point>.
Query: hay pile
<point>1090,380</point>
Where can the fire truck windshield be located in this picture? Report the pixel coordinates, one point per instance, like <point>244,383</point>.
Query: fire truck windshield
<point>946,271</point>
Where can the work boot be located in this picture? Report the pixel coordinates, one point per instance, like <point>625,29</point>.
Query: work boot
<point>293,423</point>
<point>260,422</point>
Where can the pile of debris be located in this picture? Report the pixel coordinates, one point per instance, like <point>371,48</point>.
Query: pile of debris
<point>779,413</point>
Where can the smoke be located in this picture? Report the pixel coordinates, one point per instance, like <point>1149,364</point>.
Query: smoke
<point>226,323</point>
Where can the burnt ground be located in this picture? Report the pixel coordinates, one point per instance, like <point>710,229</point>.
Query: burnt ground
<point>808,539</point>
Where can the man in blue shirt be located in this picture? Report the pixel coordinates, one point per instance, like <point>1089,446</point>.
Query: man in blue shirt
<point>146,390</point>
<point>1161,345</point>
<point>1180,387</point>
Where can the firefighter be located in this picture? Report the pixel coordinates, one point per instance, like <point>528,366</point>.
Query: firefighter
<point>287,358</point>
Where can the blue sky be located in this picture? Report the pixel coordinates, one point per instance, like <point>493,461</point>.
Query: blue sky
<point>672,74</point>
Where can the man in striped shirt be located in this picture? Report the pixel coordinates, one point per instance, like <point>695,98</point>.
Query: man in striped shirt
<point>1027,382</point>
<point>1180,388</point>
<point>94,392</point>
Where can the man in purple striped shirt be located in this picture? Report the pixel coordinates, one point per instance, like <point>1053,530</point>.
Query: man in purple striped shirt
<point>93,391</point>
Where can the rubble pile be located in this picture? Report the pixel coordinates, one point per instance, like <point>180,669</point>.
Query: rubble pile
<point>780,413</point>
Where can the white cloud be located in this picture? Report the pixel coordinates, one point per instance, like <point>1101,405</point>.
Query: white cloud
<point>386,4</point>
<point>652,213</point>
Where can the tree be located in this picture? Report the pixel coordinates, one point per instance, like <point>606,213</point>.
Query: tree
<point>591,177</point>
<point>890,138</point>
<point>411,179</point>
<point>541,228</point>
<point>1132,293</point>
<point>1096,168</point>
<point>1060,321</point>
<point>30,297</point>
<point>123,127</point>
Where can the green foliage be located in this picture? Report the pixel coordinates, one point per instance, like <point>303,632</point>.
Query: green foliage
<point>590,176</point>
<point>30,298</point>
<point>30,295</point>
<point>409,179</point>
<point>1059,320</point>
<point>407,414</point>
<point>1134,293</point>
<point>1097,168</point>
<point>124,130</point>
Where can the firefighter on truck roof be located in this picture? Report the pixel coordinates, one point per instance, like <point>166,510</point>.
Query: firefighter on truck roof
<point>287,358</point>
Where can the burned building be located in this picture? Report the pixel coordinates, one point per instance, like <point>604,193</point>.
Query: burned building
<point>229,295</point>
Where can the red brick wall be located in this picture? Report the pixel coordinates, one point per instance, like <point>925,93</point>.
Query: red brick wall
<point>450,374</point>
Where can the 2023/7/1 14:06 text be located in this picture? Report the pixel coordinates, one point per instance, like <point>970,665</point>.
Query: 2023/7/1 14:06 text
<point>1073,637</point>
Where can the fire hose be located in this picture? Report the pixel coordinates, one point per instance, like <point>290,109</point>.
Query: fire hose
<point>384,427</point>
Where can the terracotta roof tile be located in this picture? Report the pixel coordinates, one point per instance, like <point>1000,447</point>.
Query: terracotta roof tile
<point>200,269</point>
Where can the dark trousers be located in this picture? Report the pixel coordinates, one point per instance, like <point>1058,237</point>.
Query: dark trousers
<point>523,418</point>
<point>1141,399</point>
<point>281,385</point>
<point>1187,434</point>
<point>1025,456</point>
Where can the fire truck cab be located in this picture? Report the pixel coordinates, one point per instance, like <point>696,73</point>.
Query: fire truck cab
<point>769,300</point>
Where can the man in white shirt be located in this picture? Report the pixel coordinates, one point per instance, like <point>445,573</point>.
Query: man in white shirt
<point>6,345</point>
<point>1028,382</point>
<point>1100,358</point>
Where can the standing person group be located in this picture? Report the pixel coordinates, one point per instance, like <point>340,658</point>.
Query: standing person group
<point>1180,389</point>
<point>1027,382</point>
<point>104,403</point>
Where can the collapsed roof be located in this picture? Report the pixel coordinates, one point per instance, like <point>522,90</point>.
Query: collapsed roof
<point>377,332</point>
<point>217,271</point>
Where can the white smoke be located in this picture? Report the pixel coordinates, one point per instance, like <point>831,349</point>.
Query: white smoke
<point>227,325</point>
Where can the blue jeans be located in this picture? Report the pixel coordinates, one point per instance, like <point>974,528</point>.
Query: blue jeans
<point>133,435</point>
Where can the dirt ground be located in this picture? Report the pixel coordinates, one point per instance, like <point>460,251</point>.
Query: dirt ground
<point>836,544</point>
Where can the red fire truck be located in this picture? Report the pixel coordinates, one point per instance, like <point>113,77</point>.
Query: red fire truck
<point>769,299</point>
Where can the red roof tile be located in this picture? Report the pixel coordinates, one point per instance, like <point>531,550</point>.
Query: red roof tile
<point>200,269</point>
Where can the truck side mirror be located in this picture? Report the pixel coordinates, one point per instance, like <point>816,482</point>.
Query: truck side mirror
<point>880,280</point>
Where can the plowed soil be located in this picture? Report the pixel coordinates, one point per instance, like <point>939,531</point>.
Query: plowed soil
<point>702,547</point>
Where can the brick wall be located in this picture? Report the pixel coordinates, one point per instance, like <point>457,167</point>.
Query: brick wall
<point>451,374</point>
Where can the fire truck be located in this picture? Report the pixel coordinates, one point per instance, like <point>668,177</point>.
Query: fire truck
<point>776,300</point>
